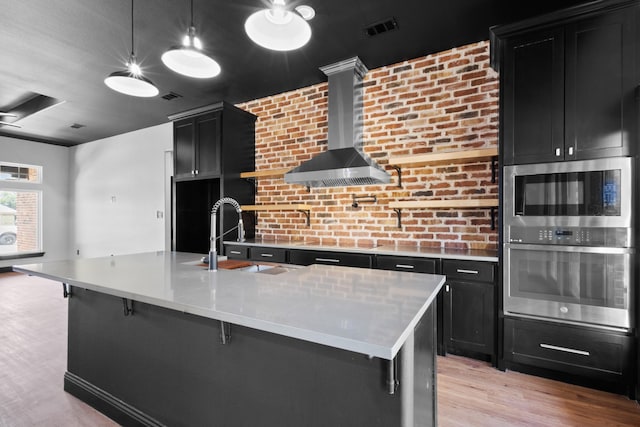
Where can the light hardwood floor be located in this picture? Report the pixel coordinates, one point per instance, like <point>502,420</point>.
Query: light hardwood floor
<point>33,326</point>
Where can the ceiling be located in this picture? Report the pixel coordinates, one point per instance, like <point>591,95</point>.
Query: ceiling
<point>64,49</point>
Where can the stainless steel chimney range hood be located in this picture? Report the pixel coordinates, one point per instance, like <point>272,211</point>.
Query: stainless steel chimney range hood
<point>344,163</point>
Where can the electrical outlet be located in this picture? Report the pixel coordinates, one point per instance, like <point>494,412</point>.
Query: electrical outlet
<point>159,214</point>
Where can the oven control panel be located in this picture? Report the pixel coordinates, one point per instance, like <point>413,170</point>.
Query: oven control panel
<point>571,236</point>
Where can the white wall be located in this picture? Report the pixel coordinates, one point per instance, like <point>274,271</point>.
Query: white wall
<point>55,193</point>
<point>117,189</point>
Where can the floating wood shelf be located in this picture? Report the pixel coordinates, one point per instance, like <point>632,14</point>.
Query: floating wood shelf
<point>269,173</point>
<point>446,157</point>
<point>295,207</point>
<point>461,155</point>
<point>455,203</point>
<point>305,209</point>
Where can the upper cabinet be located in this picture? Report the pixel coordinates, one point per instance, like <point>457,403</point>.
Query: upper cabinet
<point>568,86</point>
<point>212,146</point>
<point>197,147</point>
<point>201,134</point>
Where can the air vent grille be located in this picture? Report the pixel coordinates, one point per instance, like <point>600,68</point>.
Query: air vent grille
<point>77,126</point>
<point>171,96</point>
<point>381,27</point>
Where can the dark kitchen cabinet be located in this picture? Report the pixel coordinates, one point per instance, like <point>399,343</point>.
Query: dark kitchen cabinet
<point>568,86</point>
<point>469,324</point>
<point>197,147</point>
<point>268,254</point>
<point>307,257</point>
<point>236,251</point>
<point>409,264</point>
<point>212,146</point>
<point>570,352</point>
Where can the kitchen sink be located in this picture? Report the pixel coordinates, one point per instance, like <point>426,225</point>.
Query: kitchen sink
<point>269,268</point>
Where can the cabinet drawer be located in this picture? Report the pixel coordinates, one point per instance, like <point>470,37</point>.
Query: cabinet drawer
<point>567,348</point>
<point>259,253</point>
<point>477,271</point>
<point>237,252</point>
<point>412,264</point>
<point>302,257</point>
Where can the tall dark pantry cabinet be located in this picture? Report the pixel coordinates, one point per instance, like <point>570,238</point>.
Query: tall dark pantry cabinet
<point>569,92</point>
<point>212,145</point>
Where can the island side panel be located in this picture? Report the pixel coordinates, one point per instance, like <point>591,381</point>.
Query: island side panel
<point>160,365</point>
<point>425,369</point>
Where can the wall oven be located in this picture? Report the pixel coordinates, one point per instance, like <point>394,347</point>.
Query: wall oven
<point>569,242</point>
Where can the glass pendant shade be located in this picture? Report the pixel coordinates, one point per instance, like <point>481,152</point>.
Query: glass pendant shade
<point>131,81</point>
<point>278,28</point>
<point>189,60</point>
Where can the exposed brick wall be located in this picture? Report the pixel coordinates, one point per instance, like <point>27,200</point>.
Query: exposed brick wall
<point>442,102</point>
<point>27,220</point>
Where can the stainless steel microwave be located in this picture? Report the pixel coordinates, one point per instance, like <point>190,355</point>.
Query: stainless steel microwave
<point>593,193</point>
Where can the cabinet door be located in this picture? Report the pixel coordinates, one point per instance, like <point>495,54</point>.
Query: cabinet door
<point>236,251</point>
<point>208,145</point>
<point>600,86</point>
<point>304,257</point>
<point>184,155</point>
<point>469,317</point>
<point>269,254</point>
<point>569,349</point>
<point>411,264</point>
<point>533,98</point>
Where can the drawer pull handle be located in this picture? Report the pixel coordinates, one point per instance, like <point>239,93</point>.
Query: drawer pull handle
<point>565,349</point>
<point>266,255</point>
<point>405,266</point>
<point>328,260</point>
<point>234,252</point>
<point>461,270</point>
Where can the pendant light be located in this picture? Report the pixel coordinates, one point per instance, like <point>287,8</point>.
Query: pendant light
<point>280,29</point>
<point>189,59</point>
<point>131,81</point>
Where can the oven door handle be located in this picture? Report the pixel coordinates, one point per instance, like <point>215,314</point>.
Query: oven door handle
<point>561,248</point>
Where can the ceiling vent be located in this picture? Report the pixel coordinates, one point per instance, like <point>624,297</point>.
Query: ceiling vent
<point>171,96</point>
<point>381,27</point>
<point>77,126</point>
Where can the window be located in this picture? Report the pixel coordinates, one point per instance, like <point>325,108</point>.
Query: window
<point>20,208</point>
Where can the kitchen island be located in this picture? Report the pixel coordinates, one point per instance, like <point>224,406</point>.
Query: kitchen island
<point>156,339</point>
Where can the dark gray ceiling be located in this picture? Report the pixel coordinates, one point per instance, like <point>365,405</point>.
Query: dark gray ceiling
<point>65,48</point>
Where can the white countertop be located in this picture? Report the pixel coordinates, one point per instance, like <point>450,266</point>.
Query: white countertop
<point>366,311</point>
<point>407,251</point>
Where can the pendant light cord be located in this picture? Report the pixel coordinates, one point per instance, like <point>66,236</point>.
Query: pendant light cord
<point>132,50</point>
<point>192,13</point>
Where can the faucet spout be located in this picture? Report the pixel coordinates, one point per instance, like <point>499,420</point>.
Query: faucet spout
<point>213,255</point>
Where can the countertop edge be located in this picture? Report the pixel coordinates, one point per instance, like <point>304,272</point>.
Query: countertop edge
<point>442,253</point>
<point>343,343</point>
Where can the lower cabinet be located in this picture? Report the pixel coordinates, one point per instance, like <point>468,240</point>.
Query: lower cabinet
<point>236,251</point>
<point>267,254</point>
<point>469,314</point>
<point>583,352</point>
<point>466,306</point>
<point>410,264</point>
<point>346,259</point>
